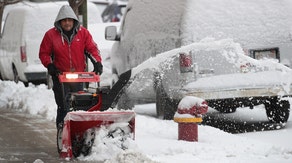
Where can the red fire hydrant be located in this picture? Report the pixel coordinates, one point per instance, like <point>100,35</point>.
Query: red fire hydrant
<point>188,115</point>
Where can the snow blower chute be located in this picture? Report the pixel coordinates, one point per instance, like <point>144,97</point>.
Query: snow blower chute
<point>86,116</point>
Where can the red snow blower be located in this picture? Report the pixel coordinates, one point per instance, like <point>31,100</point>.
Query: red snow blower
<point>85,117</point>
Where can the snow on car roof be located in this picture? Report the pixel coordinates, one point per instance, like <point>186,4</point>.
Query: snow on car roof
<point>264,73</point>
<point>252,23</point>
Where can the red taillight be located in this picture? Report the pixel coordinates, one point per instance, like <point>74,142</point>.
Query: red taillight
<point>23,54</point>
<point>186,62</point>
<point>115,19</point>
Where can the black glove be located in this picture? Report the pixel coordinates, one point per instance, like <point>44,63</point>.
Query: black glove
<point>52,69</point>
<point>97,68</point>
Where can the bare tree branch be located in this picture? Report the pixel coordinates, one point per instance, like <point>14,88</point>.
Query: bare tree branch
<point>7,2</point>
<point>75,4</point>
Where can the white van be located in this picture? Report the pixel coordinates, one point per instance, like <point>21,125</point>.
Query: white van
<point>24,27</point>
<point>150,28</point>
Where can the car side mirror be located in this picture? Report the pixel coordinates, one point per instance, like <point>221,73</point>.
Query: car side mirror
<point>111,33</point>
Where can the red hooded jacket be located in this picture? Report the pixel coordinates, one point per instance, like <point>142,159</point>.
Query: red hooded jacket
<point>67,56</point>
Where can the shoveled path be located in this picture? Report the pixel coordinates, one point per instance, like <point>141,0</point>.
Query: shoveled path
<point>26,138</point>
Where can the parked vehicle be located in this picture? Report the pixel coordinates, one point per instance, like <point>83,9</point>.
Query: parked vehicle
<point>24,28</point>
<point>112,10</point>
<point>265,53</point>
<point>148,30</point>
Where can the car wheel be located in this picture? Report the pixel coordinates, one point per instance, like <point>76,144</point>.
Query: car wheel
<point>165,106</point>
<point>277,110</point>
<point>26,84</point>
<point>1,76</point>
<point>15,75</point>
<point>160,103</point>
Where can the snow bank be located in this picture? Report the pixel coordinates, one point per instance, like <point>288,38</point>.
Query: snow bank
<point>156,140</point>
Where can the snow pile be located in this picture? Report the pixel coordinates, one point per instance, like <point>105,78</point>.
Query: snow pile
<point>110,142</point>
<point>213,145</point>
<point>156,140</point>
<point>20,98</point>
<point>130,156</point>
<point>190,101</point>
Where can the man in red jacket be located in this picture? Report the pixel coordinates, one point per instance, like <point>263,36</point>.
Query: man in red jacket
<point>63,50</point>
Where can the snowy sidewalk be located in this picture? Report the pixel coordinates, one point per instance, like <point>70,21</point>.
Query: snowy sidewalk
<point>24,138</point>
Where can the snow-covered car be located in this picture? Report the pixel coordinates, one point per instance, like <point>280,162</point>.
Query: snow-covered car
<point>24,27</point>
<point>148,30</point>
<point>112,10</point>
<point>220,73</point>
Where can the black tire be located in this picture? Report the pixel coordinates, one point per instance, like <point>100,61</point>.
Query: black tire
<point>1,78</point>
<point>165,106</point>
<point>171,108</point>
<point>88,141</point>
<point>59,139</point>
<point>15,75</point>
<point>26,84</point>
<point>277,110</point>
<point>160,103</point>
<point>77,144</point>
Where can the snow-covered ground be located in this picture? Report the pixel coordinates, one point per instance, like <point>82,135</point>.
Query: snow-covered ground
<point>157,140</point>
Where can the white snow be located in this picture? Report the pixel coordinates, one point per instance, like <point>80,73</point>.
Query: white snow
<point>190,101</point>
<point>252,23</point>
<point>157,140</point>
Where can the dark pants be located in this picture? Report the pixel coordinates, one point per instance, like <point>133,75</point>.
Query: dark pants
<point>62,101</point>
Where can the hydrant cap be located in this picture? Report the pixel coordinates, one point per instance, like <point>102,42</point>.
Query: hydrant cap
<point>192,105</point>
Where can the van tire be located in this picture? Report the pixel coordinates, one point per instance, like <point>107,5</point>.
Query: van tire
<point>15,74</point>
<point>277,110</point>
<point>25,84</point>
<point>16,77</point>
